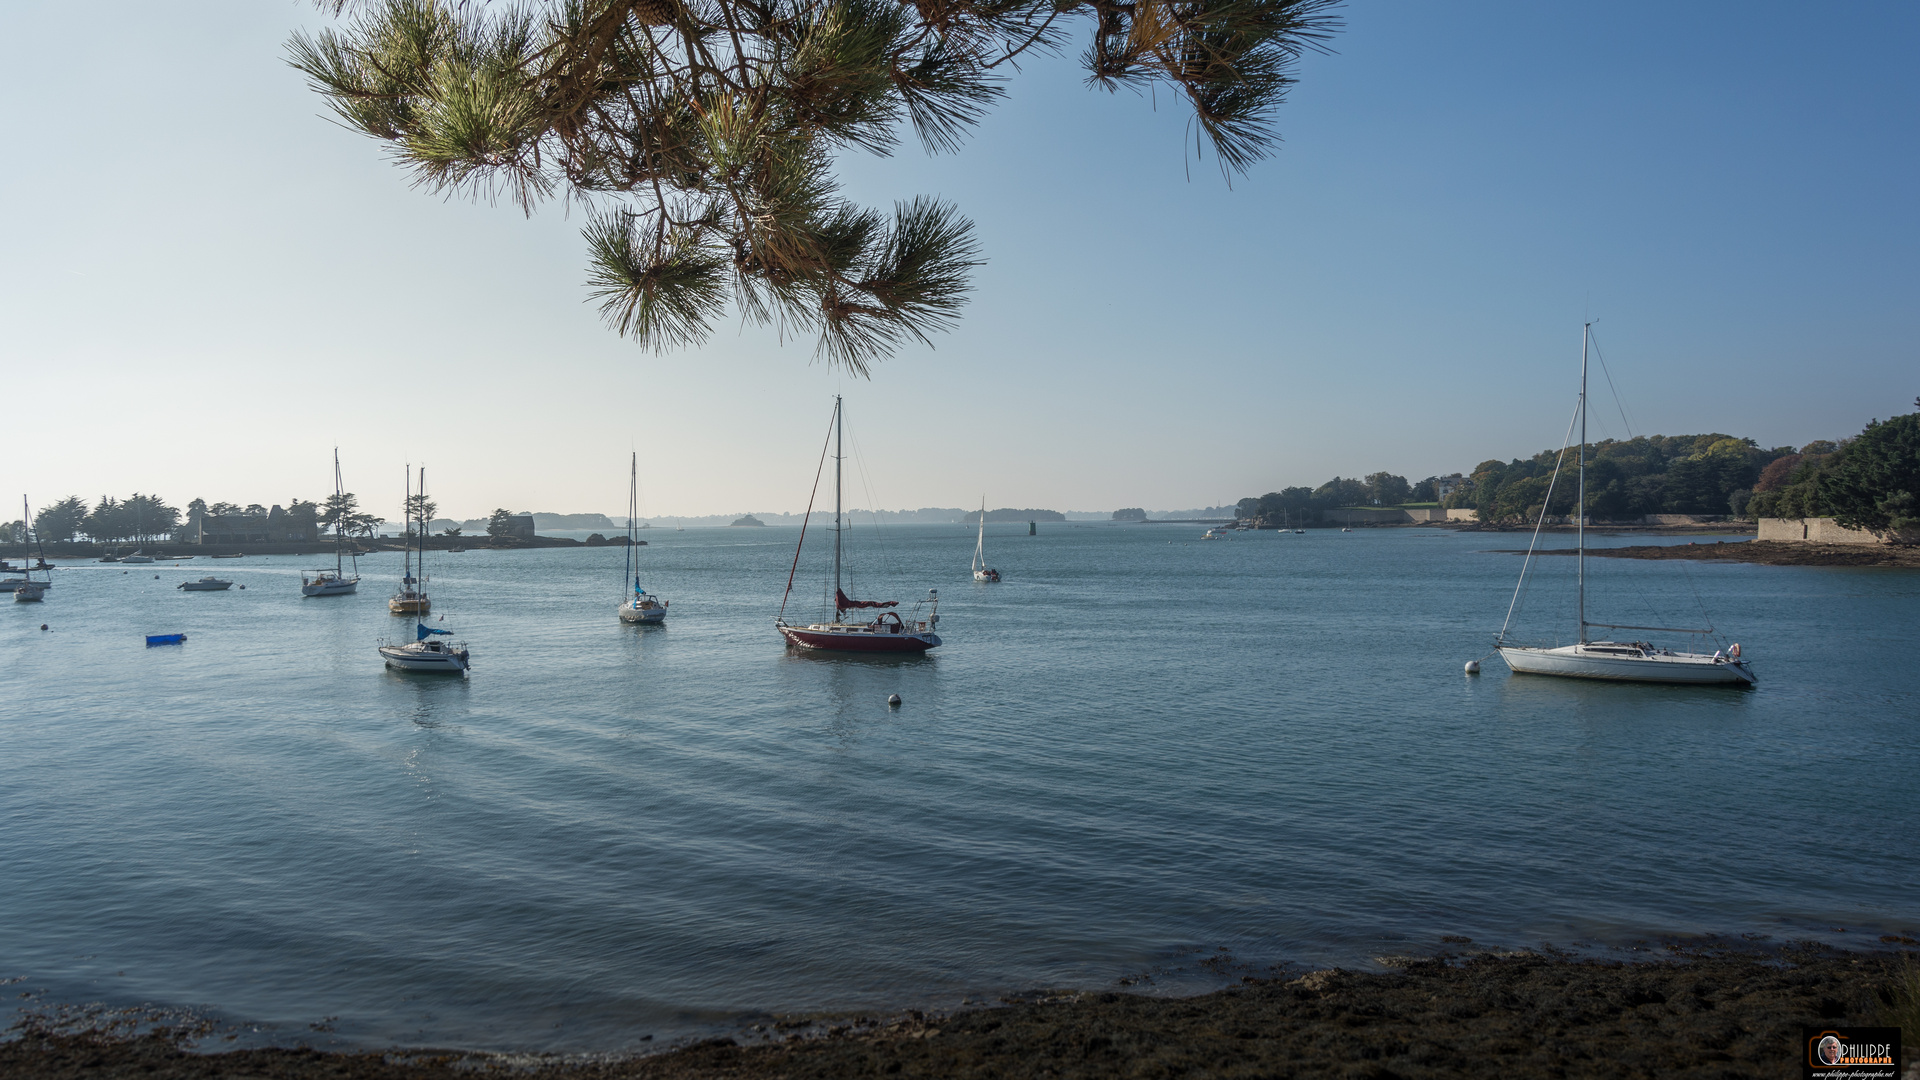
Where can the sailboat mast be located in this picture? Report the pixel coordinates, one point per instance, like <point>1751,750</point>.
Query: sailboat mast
<point>1580,508</point>
<point>423,527</point>
<point>839,442</point>
<point>633,500</point>
<point>339,537</point>
<point>406,549</point>
<point>980,543</point>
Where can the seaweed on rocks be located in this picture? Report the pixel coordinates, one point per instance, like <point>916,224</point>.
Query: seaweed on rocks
<point>1699,1010</point>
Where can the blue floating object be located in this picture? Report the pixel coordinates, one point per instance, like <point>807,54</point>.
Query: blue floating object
<point>164,639</point>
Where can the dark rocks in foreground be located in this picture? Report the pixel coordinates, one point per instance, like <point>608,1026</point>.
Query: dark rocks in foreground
<point>1697,1014</point>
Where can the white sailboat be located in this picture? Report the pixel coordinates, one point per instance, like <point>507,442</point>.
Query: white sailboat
<point>427,653</point>
<point>337,581</point>
<point>1624,661</point>
<point>642,607</point>
<point>981,571</point>
<point>25,589</point>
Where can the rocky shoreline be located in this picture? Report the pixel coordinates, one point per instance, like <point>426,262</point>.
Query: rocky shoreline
<point>1690,1011</point>
<point>1766,552</point>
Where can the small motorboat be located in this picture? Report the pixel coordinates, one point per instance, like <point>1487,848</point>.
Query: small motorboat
<point>109,558</point>
<point>206,584</point>
<point>426,653</point>
<point>1216,533</point>
<point>237,555</point>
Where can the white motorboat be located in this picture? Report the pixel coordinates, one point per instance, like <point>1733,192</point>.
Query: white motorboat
<point>427,653</point>
<point>1216,533</point>
<point>206,584</point>
<point>642,608</point>
<point>981,571</point>
<point>338,581</point>
<point>1620,661</point>
<point>136,557</point>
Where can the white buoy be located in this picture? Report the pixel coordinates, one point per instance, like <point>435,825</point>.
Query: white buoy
<point>1473,667</point>
<point>893,700</point>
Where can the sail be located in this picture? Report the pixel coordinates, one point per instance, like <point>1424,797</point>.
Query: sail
<point>423,630</point>
<point>841,602</point>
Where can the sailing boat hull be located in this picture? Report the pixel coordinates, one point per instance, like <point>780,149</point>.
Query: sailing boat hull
<point>643,616</point>
<point>842,637</point>
<point>986,575</point>
<point>330,587</point>
<point>406,606</point>
<point>1692,669</point>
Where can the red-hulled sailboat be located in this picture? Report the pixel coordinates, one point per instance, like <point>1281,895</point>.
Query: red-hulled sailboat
<point>887,632</point>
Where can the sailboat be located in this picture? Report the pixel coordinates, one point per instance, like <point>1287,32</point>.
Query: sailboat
<point>426,652</point>
<point>642,607</point>
<point>334,582</point>
<point>26,590</point>
<point>411,598</point>
<point>888,632</point>
<point>981,571</point>
<point>1625,661</point>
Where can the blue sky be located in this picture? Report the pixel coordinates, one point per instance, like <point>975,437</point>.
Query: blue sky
<point>205,285</point>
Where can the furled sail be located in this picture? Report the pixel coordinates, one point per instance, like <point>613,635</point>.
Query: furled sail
<point>840,602</point>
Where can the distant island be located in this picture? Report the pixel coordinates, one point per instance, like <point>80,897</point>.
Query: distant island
<point>749,519</point>
<point>1005,514</point>
<point>548,522</point>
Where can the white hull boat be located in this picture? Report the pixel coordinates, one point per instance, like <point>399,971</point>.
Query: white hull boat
<point>137,559</point>
<point>645,609</point>
<point>327,583</point>
<point>206,584</point>
<point>445,658</point>
<point>337,581</point>
<point>642,607</point>
<point>31,593</point>
<point>1613,661</point>
<point>1628,662</point>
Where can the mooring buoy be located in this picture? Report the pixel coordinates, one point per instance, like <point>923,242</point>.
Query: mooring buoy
<point>1473,667</point>
<point>893,700</point>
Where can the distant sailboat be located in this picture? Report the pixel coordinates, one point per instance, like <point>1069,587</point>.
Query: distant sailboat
<point>981,571</point>
<point>1624,661</point>
<point>334,582</point>
<point>888,632</point>
<point>25,589</point>
<point>411,598</point>
<point>642,607</point>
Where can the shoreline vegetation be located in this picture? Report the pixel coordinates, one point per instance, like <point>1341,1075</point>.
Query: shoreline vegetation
<point>1680,1009</point>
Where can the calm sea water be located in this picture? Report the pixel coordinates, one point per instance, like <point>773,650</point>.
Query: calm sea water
<point>1138,750</point>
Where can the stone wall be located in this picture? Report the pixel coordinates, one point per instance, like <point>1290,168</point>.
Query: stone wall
<point>1812,531</point>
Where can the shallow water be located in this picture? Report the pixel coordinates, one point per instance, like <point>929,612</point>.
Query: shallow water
<point>1136,751</point>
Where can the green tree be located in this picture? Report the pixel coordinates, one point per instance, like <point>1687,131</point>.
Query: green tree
<point>704,134</point>
<point>1876,483</point>
<point>304,518</point>
<point>340,512</point>
<point>1386,489</point>
<point>500,524</point>
<point>60,522</point>
<point>107,520</point>
<point>420,509</point>
<point>225,509</point>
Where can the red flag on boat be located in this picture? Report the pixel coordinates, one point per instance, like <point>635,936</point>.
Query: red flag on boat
<point>841,603</point>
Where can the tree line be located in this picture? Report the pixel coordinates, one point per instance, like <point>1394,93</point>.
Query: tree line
<point>143,518</point>
<point>1870,481</point>
<point>1304,505</point>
